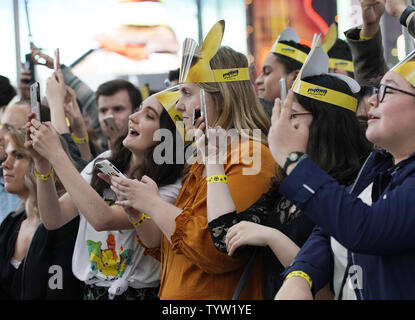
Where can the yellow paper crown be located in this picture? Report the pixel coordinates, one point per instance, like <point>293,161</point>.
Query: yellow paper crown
<point>328,43</point>
<point>200,71</point>
<point>168,99</point>
<point>406,68</point>
<point>289,34</point>
<point>317,64</point>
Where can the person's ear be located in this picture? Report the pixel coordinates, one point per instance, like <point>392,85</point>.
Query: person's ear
<point>291,78</point>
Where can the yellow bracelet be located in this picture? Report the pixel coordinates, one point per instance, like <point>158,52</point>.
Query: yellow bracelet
<point>80,140</point>
<point>363,38</point>
<point>140,221</point>
<point>43,177</point>
<point>301,274</point>
<point>218,178</point>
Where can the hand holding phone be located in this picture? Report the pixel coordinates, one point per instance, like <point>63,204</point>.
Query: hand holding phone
<point>108,168</point>
<point>35,100</point>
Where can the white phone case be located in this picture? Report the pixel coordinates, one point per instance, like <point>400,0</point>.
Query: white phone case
<point>108,168</point>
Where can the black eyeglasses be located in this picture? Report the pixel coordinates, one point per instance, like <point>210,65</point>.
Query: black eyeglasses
<point>380,91</point>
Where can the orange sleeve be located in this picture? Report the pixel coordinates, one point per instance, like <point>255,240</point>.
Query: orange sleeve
<point>191,236</point>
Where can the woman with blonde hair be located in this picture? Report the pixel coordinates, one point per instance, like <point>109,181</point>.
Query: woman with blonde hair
<point>191,266</point>
<point>36,263</point>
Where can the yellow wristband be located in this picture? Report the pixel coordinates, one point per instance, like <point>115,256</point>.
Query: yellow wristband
<point>140,221</point>
<point>43,177</point>
<point>363,38</point>
<point>218,178</point>
<point>301,274</point>
<point>80,140</point>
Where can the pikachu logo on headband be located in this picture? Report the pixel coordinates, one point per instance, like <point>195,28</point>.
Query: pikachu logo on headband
<point>195,66</point>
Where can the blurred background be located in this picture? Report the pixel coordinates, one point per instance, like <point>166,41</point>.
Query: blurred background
<point>141,40</point>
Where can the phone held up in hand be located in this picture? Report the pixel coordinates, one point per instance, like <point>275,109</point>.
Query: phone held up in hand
<point>110,123</point>
<point>35,100</point>
<point>108,168</point>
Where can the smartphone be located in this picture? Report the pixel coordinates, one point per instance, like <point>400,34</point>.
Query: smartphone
<point>204,110</point>
<point>29,65</point>
<point>110,123</point>
<point>56,61</point>
<point>35,100</point>
<point>283,90</point>
<point>108,168</point>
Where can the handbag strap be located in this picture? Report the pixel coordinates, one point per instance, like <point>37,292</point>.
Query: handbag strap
<point>245,275</point>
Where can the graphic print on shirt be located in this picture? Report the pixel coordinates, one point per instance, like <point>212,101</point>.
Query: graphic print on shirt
<point>108,261</point>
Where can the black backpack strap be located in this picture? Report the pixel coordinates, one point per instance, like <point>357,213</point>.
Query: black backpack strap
<point>245,275</point>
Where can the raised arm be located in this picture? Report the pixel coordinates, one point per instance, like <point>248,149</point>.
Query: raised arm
<point>78,127</point>
<point>84,197</point>
<point>366,43</point>
<point>395,8</point>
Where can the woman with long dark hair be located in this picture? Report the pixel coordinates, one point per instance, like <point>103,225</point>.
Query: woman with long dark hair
<point>335,143</point>
<point>191,266</point>
<point>107,257</point>
<point>374,219</point>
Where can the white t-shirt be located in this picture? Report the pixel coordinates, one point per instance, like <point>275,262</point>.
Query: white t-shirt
<point>114,258</point>
<point>340,257</point>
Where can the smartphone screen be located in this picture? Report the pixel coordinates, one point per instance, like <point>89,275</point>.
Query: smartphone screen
<point>35,100</point>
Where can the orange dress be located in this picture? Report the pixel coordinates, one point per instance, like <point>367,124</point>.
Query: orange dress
<point>191,267</point>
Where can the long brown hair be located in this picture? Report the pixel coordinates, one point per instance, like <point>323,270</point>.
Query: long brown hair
<point>167,173</point>
<point>237,104</point>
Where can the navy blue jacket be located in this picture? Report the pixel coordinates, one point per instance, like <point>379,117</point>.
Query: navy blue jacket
<point>380,238</point>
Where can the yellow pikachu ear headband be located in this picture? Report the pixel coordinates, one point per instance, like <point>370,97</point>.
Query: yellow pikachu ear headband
<point>406,68</point>
<point>282,47</point>
<point>338,50</point>
<point>195,66</point>
<point>317,64</point>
